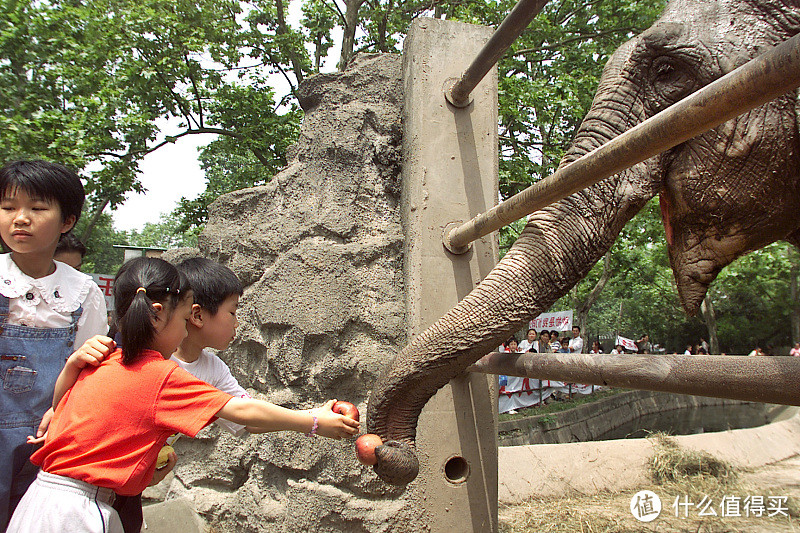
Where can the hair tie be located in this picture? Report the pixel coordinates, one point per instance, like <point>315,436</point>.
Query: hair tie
<point>141,289</point>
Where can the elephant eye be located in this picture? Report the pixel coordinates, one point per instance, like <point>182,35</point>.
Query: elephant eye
<point>671,80</point>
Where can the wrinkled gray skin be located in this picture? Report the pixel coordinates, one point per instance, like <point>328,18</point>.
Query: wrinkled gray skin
<point>723,194</point>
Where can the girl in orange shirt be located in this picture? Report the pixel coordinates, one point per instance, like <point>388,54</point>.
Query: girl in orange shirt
<point>110,425</point>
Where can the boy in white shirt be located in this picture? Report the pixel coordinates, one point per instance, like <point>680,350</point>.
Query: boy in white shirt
<point>212,324</point>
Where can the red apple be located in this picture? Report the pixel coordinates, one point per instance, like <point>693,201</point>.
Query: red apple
<point>346,409</point>
<point>365,448</point>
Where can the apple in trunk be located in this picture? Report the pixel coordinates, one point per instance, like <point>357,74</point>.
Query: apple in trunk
<point>346,409</point>
<point>365,448</point>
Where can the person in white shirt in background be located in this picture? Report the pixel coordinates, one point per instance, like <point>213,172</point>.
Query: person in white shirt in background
<point>576,342</point>
<point>528,341</point>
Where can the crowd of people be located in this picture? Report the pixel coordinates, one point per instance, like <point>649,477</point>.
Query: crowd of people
<point>82,430</point>
<point>547,341</point>
<point>516,393</point>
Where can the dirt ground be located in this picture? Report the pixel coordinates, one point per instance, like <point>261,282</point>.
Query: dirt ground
<point>776,485</point>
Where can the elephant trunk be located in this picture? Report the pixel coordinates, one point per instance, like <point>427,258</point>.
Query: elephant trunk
<point>557,248</point>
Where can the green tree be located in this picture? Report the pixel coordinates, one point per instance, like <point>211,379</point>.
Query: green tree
<point>101,256</point>
<point>162,234</point>
<point>85,83</point>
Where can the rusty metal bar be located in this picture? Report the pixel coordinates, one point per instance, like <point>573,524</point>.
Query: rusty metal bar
<point>508,31</point>
<point>759,379</point>
<point>756,82</point>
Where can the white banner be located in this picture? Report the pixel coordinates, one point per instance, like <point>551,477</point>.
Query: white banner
<point>560,321</point>
<point>106,284</point>
<point>628,344</point>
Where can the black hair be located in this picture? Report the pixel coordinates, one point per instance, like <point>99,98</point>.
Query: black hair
<point>554,332</point>
<point>70,243</point>
<point>138,284</point>
<point>508,341</point>
<point>45,180</point>
<point>529,330</point>
<point>578,328</point>
<point>211,282</point>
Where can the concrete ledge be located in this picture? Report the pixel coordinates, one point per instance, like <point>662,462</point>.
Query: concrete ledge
<point>595,421</point>
<point>172,516</point>
<point>589,467</point>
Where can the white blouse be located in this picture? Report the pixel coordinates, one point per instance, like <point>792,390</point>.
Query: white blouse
<point>48,302</point>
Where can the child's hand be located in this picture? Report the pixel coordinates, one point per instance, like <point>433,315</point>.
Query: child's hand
<point>92,352</point>
<point>333,425</point>
<point>160,473</point>
<point>41,433</point>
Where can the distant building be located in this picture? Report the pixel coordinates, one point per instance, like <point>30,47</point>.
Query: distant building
<point>132,252</point>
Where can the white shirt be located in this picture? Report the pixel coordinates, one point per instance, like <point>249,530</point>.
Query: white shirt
<point>524,346</point>
<point>48,302</point>
<point>215,372</point>
<point>576,345</point>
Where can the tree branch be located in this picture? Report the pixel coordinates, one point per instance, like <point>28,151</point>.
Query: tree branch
<point>198,99</point>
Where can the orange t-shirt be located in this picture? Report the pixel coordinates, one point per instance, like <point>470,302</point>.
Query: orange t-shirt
<point>109,427</point>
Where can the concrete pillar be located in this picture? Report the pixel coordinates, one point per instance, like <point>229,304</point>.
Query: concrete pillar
<point>450,173</point>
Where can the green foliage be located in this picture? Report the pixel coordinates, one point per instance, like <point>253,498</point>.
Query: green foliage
<point>163,235</point>
<point>230,165</point>
<point>101,256</point>
<point>753,295</point>
<point>85,83</point>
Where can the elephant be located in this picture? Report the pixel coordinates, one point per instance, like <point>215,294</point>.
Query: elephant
<point>723,194</point>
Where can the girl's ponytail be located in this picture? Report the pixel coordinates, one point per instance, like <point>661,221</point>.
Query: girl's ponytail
<point>138,284</point>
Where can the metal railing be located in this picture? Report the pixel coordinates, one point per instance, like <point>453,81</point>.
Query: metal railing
<point>505,35</point>
<point>761,379</point>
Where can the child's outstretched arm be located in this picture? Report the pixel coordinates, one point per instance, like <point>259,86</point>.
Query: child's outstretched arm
<point>270,417</point>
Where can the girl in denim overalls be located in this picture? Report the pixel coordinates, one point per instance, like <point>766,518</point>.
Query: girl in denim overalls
<point>45,308</point>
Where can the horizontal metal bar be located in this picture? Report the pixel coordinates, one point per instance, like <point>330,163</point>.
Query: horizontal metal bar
<point>508,31</point>
<point>756,82</point>
<point>759,379</point>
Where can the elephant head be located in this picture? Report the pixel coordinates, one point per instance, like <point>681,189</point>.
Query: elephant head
<point>729,191</point>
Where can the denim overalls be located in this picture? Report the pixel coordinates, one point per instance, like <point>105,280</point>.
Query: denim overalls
<point>30,361</point>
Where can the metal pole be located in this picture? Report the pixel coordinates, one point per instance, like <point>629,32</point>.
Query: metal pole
<point>756,82</point>
<point>508,31</point>
<point>759,379</point>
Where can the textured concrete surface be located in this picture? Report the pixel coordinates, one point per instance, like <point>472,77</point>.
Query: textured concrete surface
<point>449,174</point>
<point>319,249</point>
<point>173,516</point>
<point>588,467</point>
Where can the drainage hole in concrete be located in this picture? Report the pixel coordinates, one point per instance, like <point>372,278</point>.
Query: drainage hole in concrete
<point>456,469</point>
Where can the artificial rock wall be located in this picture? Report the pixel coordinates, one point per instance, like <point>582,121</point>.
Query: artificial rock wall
<point>319,249</point>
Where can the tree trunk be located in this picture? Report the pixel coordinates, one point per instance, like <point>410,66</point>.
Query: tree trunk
<point>349,37</point>
<point>591,299</point>
<point>297,64</point>
<point>794,272</point>
<point>87,232</point>
<point>710,318</point>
